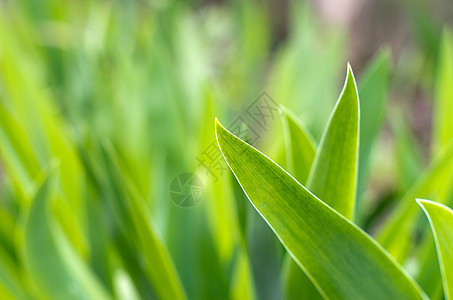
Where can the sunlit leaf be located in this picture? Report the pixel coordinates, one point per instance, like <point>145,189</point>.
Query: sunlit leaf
<point>443,94</point>
<point>300,153</point>
<point>341,259</point>
<point>334,171</point>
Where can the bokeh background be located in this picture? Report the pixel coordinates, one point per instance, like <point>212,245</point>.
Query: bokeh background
<point>145,79</point>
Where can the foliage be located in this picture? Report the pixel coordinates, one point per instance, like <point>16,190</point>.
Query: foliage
<point>104,103</point>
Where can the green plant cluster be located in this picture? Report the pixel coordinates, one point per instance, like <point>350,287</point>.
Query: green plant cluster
<point>104,103</point>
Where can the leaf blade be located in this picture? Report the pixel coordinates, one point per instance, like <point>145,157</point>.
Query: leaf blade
<point>334,170</point>
<point>440,218</point>
<point>57,270</point>
<point>307,227</point>
<point>443,93</point>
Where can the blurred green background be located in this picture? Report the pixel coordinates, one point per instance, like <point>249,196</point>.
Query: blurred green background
<point>107,102</point>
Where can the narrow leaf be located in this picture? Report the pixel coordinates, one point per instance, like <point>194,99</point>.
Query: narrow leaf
<point>156,257</point>
<point>440,218</point>
<point>443,93</point>
<point>334,170</point>
<point>300,152</point>
<point>11,286</point>
<point>57,271</point>
<point>341,259</point>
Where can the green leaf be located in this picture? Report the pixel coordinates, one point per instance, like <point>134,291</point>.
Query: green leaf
<point>242,282</point>
<point>156,258</point>
<point>57,271</point>
<point>300,146</point>
<point>17,155</point>
<point>440,218</point>
<point>341,259</point>
<point>334,170</point>
<point>443,93</point>
<point>11,286</point>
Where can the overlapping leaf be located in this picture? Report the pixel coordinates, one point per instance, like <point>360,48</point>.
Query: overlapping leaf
<point>57,271</point>
<point>341,260</point>
<point>300,153</point>
<point>334,171</point>
<point>441,220</point>
<point>136,228</point>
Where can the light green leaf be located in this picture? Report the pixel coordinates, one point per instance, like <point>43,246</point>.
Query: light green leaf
<point>18,157</point>
<point>427,273</point>
<point>57,272</point>
<point>334,170</point>
<point>441,221</point>
<point>156,258</point>
<point>299,145</point>
<point>341,259</point>
<point>11,286</point>
<point>242,281</point>
<point>443,93</point>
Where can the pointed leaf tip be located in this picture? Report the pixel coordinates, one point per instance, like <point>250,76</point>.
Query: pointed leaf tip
<point>337,154</point>
<point>218,125</point>
<point>348,66</point>
<point>322,242</point>
<point>440,219</point>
